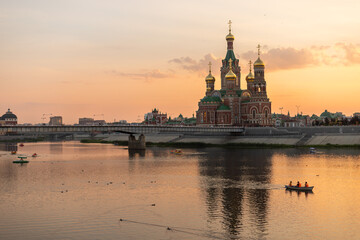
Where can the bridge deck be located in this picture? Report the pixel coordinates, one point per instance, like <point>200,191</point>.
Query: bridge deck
<point>129,129</point>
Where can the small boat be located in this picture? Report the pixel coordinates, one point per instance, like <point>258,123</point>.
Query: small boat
<point>21,145</point>
<point>176,151</point>
<point>34,155</point>
<point>13,152</point>
<point>21,160</point>
<point>312,150</point>
<point>299,188</point>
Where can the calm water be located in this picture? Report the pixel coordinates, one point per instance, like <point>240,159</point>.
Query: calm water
<point>80,191</point>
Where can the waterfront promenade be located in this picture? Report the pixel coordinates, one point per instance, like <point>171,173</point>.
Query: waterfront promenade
<point>342,135</point>
<point>336,135</point>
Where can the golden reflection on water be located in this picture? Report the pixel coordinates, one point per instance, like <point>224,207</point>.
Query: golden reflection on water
<point>80,191</point>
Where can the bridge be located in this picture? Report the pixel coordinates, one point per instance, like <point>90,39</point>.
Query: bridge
<point>127,129</point>
<point>131,130</point>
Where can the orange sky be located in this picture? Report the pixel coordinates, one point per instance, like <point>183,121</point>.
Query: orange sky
<point>121,59</point>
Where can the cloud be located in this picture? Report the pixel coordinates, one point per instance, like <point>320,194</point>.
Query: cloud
<point>284,58</point>
<point>146,75</point>
<point>201,65</point>
<point>276,59</point>
<point>290,58</point>
<point>351,51</point>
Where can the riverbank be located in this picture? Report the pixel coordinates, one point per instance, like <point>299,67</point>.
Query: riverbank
<point>203,144</point>
<point>16,139</point>
<point>252,138</point>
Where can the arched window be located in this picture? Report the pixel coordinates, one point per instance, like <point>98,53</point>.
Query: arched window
<point>254,113</point>
<point>266,113</point>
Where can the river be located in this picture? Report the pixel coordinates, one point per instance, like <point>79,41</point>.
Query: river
<point>81,191</point>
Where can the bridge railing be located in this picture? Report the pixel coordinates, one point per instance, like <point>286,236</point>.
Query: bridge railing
<point>120,128</point>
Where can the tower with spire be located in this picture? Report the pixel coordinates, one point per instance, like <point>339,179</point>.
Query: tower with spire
<point>231,105</point>
<point>225,62</point>
<point>210,82</point>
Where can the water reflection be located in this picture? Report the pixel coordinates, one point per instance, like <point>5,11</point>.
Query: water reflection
<point>298,193</point>
<point>133,153</point>
<point>9,147</point>
<point>235,181</point>
<point>56,148</point>
<point>234,194</point>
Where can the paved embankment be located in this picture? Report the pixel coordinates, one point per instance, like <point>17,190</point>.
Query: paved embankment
<point>340,139</point>
<point>164,138</point>
<point>294,140</point>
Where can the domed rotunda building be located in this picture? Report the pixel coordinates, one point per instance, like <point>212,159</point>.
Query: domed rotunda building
<point>8,118</point>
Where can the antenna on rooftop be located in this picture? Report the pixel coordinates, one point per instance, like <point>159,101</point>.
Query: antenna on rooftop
<point>297,106</point>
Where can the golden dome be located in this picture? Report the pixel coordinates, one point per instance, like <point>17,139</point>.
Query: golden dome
<point>230,37</point>
<point>250,77</point>
<point>259,63</point>
<point>230,75</point>
<point>210,77</point>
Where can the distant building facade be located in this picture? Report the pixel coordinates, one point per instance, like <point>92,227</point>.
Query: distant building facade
<point>155,117</point>
<point>232,105</point>
<point>56,121</point>
<point>86,121</point>
<point>8,118</point>
<point>182,121</point>
<point>91,122</point>
<point>99,122</point>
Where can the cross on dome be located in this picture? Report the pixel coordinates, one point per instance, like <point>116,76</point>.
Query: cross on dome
<point>230,22</point>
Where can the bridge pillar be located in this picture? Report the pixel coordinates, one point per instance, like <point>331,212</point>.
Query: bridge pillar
<point>139,144</point>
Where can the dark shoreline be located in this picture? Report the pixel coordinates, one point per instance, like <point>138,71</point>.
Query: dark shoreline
<point>19,140</point>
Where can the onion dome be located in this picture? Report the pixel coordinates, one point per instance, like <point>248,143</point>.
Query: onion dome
<point>230,37</point>
<point>210,77</point>
<point>8,115</point>
<point>250,77</point>
<point>259,63</point>
<point>230,75</point>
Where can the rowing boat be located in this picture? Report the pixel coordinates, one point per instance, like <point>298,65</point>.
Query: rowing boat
<point>299,188</point>
<point>21,160</point>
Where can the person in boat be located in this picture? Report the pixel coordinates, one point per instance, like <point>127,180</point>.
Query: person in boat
<point>306,184</point>
<point>290,184</point>
<point>298,184</point>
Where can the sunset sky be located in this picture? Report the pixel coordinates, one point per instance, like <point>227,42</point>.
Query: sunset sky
<point>80,58</point>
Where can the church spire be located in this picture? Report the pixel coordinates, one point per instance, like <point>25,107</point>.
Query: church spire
<point>230,75</point>
<point>259,62</point>
<point>250,76</point>
<point>210,80</point>
<point>230,38</point>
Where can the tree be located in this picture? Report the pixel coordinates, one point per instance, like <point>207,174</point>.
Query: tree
<point>326,121</point>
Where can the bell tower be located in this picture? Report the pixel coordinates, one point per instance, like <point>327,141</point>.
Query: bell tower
<point>259,84</point>
<point>210,82</point>
<point>225,62</point>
